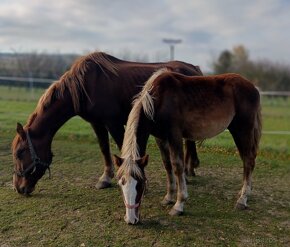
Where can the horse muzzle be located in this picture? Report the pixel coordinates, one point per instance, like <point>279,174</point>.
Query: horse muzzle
<point>26,191</point>
<point>131,220</point>
<point>132,216</point>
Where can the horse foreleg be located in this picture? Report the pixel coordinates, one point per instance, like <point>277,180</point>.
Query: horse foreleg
<point>191,158</point>
<point>177,161</point>
<point>108,174</point>
<point>171,184</point>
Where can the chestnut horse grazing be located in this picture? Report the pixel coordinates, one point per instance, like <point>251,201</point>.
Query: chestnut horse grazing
<point>172,107</point>
<point>99,88</point>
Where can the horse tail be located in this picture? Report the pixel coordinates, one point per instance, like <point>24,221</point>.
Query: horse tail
<point>143,101</point>
<point>257,129</point>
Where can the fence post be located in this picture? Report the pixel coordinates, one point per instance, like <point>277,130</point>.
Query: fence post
<point>31,86</point>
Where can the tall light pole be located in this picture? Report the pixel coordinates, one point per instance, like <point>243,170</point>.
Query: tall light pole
<point>172,43</point>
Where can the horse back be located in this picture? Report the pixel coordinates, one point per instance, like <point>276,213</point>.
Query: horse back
<point>203,91</point>
<point>202,106</point>
<point>111,94</point>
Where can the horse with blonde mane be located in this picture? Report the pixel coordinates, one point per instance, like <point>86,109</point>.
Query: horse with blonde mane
<point>99,88</point>
<point>172,107</point>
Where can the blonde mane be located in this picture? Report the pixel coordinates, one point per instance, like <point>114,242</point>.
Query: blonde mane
<point>130,149</point>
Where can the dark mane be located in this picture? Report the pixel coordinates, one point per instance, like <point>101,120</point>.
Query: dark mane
<point>74,81</point>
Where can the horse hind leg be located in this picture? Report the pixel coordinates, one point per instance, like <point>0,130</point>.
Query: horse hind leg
<point>249,164</point>
<point>247,147</point>
<point>191,159</point>
<point>105,180</point>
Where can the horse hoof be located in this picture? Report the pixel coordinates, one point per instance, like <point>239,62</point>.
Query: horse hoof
<point>196,163</point>
<point>190,174</point>
<point>174,212</point>
<point>166,202</point>
<point>103,185</point>
<point>240,206</point>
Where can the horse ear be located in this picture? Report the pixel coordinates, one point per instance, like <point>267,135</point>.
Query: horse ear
<point>117,160</point>
<point>143,161</point>
<point>20,131</point>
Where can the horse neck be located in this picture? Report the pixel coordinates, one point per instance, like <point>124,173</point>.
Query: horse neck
<point>134,146</point>
<point>48,121</point>
<point>143,133</point>
<point>139,122</point>
<point>136,137</point>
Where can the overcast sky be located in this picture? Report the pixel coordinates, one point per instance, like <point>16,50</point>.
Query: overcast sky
<point>206,27</point>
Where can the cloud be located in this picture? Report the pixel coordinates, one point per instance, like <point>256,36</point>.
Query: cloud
<point>206,27</point>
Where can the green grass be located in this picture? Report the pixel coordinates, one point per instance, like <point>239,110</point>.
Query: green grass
<point>68,211</point>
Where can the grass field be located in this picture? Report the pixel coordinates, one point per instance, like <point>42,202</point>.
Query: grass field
<point>68,211</point>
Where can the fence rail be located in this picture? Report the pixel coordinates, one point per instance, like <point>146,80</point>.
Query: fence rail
<point>275,93</point>
<point>25,82</point>
<point>23,79</point>
<point>42,83</point>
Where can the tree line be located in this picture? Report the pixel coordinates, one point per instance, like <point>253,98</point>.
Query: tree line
<point>48,66</point>
<point>268,76</point>
<point>35,65</point>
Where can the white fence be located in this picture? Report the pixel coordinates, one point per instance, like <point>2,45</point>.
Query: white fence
<point>25,82</point>
<point>276,93</point>
<point>41,82</point>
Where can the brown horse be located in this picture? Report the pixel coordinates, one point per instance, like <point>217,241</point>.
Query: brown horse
<point>99,88</point>
<point>172,107</point>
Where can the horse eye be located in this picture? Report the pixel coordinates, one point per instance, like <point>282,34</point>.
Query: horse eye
<point>19,153</point>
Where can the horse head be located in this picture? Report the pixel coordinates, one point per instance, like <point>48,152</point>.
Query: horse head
<point>28,166</point>
<point>132,180</point>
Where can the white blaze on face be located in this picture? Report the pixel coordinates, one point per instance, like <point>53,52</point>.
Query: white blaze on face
<point>130,193</point>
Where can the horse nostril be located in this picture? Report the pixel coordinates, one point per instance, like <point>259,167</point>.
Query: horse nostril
<point>131,222</point>
<point>20,190</point>
<point>24,190</point>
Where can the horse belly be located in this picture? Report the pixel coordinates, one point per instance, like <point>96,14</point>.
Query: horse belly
<point>204,126</point>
